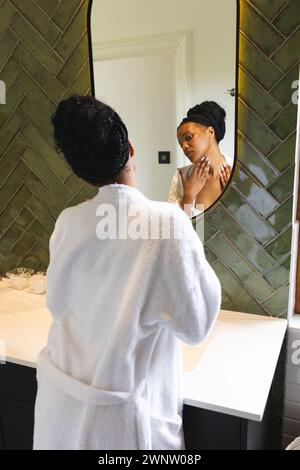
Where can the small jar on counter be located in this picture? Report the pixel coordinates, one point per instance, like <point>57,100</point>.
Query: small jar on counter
<point>38,283</point>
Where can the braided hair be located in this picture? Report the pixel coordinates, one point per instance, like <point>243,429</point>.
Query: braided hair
<point>92,137</point>
<point>208,113</point>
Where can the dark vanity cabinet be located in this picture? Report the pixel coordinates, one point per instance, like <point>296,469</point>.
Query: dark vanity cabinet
<point>17,396</point>
<point>203,429</point>
<point>210,430</point>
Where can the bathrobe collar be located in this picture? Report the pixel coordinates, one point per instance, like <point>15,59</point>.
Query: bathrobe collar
<point>119,190</point>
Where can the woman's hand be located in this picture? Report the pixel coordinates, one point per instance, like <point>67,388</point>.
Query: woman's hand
<point>225,172</point>
<point>193,184</point>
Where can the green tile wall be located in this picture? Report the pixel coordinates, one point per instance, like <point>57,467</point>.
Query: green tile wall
<point>248,232</point>
<point>44,58</point>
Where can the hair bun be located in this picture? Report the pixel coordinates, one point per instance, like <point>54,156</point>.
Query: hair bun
<point>208,107</point>
<point>211,111</point>
<point>92,137</point>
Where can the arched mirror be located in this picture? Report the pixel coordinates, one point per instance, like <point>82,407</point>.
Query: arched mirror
<point>153,62</point>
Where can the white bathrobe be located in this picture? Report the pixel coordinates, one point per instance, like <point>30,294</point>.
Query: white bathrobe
<point>110,375</point>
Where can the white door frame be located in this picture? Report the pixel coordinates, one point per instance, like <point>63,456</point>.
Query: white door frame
<point>178,43</point>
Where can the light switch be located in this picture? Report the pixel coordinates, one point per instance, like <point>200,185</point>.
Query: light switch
<point>164,157</point>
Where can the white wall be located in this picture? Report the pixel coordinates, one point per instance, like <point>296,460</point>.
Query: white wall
<point>142,91</point>
<point>213,50</point>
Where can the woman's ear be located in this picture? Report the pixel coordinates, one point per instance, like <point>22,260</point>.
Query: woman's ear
<point>211,131</point>
<point>131,149</point>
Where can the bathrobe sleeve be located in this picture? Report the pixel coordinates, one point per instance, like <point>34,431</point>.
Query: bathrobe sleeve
<point>59,234</point>
<point>176,189</point>
<point>58,240</point>
<point>188,296</point>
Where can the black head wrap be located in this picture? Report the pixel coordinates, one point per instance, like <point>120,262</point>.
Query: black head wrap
<point>208,113</point>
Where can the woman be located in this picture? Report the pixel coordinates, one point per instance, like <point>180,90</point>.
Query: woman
<point>110,375</point>
<point>203,181</point>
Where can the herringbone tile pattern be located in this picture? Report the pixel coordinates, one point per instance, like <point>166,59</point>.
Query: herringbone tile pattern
<point>43,59</point>
<point>248,234</point>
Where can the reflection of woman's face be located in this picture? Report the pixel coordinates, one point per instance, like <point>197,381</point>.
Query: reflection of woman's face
<point>194,140</point>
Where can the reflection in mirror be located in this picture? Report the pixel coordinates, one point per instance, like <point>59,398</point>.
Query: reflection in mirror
<point>152,62</point>
<point>196,186</point>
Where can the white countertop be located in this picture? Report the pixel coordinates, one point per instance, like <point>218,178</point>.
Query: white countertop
<point>230,372</point>
<point>24,325</point>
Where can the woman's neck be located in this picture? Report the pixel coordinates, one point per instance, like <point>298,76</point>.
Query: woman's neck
<point>128,177</point>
